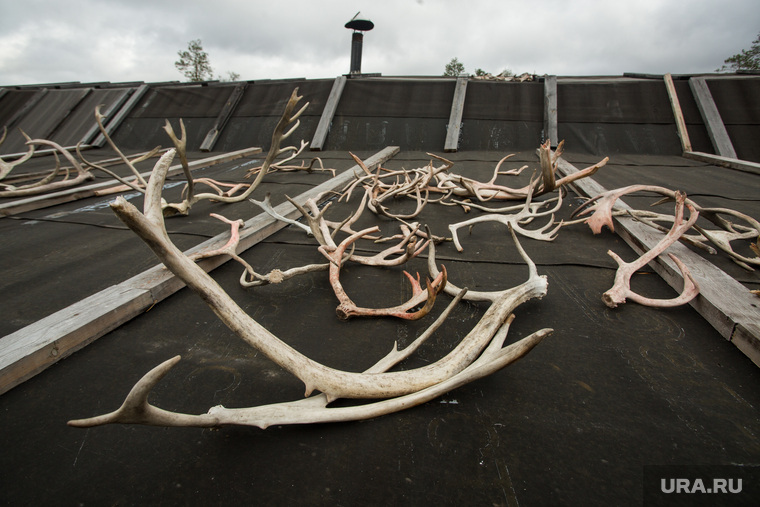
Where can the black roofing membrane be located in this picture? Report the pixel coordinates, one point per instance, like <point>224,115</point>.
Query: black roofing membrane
<point>81,247</point>
<point>576,420</point>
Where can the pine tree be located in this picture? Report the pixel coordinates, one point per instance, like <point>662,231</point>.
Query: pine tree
<point>454,68</point>
<point>748,59</point>
<point>193,62</point>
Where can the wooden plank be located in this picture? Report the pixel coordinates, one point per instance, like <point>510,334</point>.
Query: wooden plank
<point>224,116</point>
<point>455,118</point>
<point>725,303</point>
<point>550,110</point>
<point>93,131</point>
<point>26,107</point>
<point>100,141</point>
<point>730,163</point>
<point>84,191</point>
<point>683,134</point>
<point>328,113</point>
<point>32,349</point>
<point>709,111</point>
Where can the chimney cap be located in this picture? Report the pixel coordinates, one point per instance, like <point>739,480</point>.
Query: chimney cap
<point>360,25</point>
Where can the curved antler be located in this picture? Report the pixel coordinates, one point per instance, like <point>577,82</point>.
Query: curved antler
<point>335,383</point>
<point>622,288</point>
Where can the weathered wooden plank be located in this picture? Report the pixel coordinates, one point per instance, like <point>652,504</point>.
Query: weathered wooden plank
<point>725,303</point>
<point>93,131</point>
<point>84,191</point>
<point>328,113</point>
<point>709,111</point>
<point>683,134</point>
<point>730,163</point>
<point>32,349</point>
<point>224,116</point>
<point>455,118</point>
<point>29,104</point>
<point>121,115</point>
<point>550,110</point>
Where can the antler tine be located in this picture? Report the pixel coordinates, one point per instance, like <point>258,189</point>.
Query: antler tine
<point>535,282</point>
<point>99,120</point>
<point>316,221</point>
<point>109,172</point>
<point>266,205</point>
<point>7,166</point>
<point>137,410</point>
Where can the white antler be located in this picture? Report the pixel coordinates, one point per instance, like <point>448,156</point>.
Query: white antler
<point>7,166</point>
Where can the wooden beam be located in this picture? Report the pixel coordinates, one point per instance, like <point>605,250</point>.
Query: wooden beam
<point>709,111</point>
<point>683,134</point>
<point>455,118</point>
<point>224,115</point>
<point>33,100</point>
<point>83,191</point>
<point>34,348</point>
<point>100,141</point>
<point>730,163</point>
<point>550,110</point>
<point>93,131</point>
<point>725,303</point>
<point>328,113</point>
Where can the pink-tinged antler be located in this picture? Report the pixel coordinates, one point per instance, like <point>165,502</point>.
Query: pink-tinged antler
<point>602,204</point>
<point>622,288</point>
<point>347,308</point>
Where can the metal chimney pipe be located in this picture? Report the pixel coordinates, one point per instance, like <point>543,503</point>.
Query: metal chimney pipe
<point>357,39</point>
<point>359,26</point>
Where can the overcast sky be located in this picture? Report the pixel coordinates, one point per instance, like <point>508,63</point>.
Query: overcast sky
<point>50,41</point>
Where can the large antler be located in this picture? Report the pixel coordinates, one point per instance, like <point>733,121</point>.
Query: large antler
<point>149,225</point>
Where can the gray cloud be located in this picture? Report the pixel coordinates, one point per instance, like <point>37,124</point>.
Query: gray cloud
<point>137,40</point>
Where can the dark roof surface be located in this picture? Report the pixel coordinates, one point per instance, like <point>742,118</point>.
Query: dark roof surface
<point>579,420</point>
